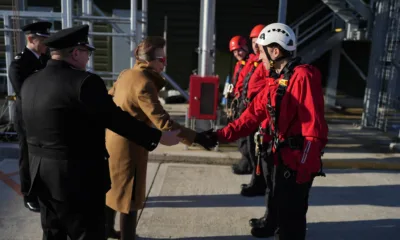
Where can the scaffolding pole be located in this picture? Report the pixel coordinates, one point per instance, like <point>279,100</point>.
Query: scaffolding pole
<point>206,56</point>
<point>87,10</point>
<point>144,19</point>
<point>207,21</point>
<point>8,53</point>
<point>133,30</point>
<point>66,13</point>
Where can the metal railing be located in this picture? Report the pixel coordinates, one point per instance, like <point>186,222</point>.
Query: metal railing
<point>67,19</point>
<point>314,23</point>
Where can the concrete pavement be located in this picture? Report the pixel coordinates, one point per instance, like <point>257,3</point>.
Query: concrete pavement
<point>197,201</point>
<point>202,202</point>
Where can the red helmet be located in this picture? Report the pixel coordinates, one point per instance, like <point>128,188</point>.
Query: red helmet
<point>256,30</point>
<point>237,42</point>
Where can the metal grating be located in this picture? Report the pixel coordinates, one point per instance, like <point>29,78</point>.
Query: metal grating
<point>382,96</point>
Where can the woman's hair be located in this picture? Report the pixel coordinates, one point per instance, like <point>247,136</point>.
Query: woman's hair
<point>145,51</point>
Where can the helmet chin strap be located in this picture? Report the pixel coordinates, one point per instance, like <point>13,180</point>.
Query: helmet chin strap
<point>272,63</point>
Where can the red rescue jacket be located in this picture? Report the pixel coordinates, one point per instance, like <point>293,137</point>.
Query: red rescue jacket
<point>257,81</point>
<point>302,113</point>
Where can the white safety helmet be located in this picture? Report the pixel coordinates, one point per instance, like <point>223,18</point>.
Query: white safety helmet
<point>278,33</point>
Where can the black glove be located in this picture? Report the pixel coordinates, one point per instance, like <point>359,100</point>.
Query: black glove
<point>207,139</point>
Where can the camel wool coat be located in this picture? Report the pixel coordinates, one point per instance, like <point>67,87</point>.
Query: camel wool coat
<point>136,92</point>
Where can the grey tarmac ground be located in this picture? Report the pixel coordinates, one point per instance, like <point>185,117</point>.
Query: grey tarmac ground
<point>198,201</point>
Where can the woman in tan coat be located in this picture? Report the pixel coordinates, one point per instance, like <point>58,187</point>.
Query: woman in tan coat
<point>136,92</point>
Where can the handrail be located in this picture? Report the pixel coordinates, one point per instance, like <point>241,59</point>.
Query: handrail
<point>321,22</point>
<point>308,15</point>
<point>175,85</point>
<point>315,28</point>
<point>313,33</point>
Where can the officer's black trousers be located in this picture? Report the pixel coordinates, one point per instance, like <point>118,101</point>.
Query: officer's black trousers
<point>271,213</point>
<point>291,202</point>
<point>23,152</point>
<point>79,219</point>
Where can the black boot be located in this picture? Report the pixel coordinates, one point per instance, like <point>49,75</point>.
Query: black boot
<point>237,169</point>
<point>251,191</point>
<point>128,225</point>
<point>264,232</point>
<point>31,203</point>
<point>110,222</point>
<point>257,222</point>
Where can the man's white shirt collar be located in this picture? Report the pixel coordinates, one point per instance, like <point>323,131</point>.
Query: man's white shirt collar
<point>36,55</point>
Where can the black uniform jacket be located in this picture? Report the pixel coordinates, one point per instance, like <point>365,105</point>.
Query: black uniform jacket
<point>24,64</point>
<point>66,111</point>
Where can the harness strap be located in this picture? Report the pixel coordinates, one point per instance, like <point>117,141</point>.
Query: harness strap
<point>235,78</point>
<point>246,81</point>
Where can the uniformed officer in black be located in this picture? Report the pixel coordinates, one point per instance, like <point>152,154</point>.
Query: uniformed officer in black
<point>31,59</point>
<point>66,111</point>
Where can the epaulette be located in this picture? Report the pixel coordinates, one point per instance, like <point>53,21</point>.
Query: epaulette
<point>18,56</point>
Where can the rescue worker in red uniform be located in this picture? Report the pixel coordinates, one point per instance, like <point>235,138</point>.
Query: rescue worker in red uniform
<point>294,106</point>
<point>251,82</point>
<point>238,47</point>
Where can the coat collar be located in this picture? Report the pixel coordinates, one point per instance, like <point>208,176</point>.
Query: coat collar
<point>150,74</point>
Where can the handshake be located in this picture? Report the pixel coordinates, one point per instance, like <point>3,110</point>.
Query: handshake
<point>207,139</point>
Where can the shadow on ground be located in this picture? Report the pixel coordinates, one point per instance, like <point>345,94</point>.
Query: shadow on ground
<point>387,229</point>
<point>381,195</point>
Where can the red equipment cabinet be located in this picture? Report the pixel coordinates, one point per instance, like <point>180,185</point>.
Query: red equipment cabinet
<point>203,98</point>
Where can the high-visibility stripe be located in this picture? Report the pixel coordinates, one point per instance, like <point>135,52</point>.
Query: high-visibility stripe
<point>306,149</point>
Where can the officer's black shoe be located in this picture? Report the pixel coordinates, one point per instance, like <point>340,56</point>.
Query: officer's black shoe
<point>113,234</point>
<point>236,169</point>
<point>257,222</point>
<point>252,191</point>
<point>264,232</point>
<point>32,204</point>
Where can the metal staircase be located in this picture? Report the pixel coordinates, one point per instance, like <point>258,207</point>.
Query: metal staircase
<point>330,23</point>
<point>355,13</point>
<point>316,33</point>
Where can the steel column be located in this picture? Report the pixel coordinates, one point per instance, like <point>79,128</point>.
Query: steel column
<point>331,85</point>
<point>207,21</point>
<point>282,11</point>
<point>375,73</point>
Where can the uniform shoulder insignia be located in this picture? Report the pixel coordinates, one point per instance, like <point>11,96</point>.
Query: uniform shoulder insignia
<point>19,56</point>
